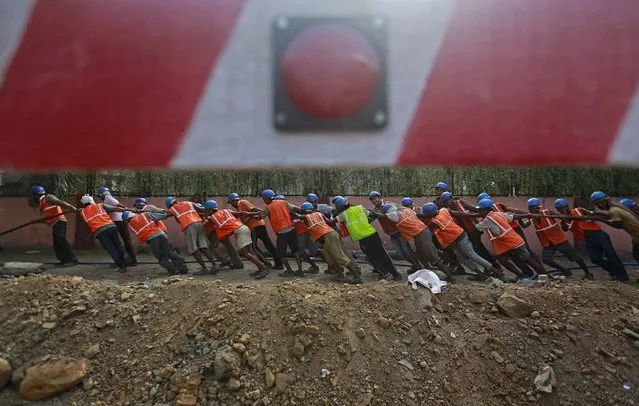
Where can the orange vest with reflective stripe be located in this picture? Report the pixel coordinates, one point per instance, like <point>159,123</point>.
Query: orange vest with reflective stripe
<point>300,227</point>
<point>508,239</point>
<point>49,210</point>
<point>225,223</point>
<point>579,226</point>
<point>95,216</point>
<point>409,224</point>
<point>185,214</point>
<point>162,226</point>
<point>446,230</point>
<point>548,230</point>
<point>279,215</point>
<point>317,227</point>
<point>500,208</point>
<point>343,230</point>
<point>144,226</point>
<point>250,222</point>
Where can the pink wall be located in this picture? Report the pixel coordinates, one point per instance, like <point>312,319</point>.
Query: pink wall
<point>15,211</point>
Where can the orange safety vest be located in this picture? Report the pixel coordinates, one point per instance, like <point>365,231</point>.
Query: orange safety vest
<point>49,210</point>
<point>144,226</point>
<point>389,226</point>
<point>279,215</point>
<point>579,226</point>
<point>95,216</point>
<point>185,214</point>
<point>343,230</point>
<point>409,224</point>
<point>446,230</point>
<point>548,230</point>
<point>508,239</point>
<point>162,226</point>
<point>500,208</point>
<point>225,223</point>
<point>468,223</point>
<point>317,227</point>
<point>300,227</point>
<point>250,222</point>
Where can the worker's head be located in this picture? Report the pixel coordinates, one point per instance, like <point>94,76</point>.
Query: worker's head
<point>446,200</point>
<point>103,192</point>
<point>139,203</point>
<point>307,207</point>
<point>440,188</point>
<point>562,206</point>
<point>340,202</point>
<point>376,199</point>
<point>267,195</point>
<point>127,215</point>
<point>484,207</point>
<point>600,199</point>
<point>534,205</point>
<point>233,199</point>
<point>388,208</point>
<point>169,202</point>
<point>210,206</point>
<point>87,200</point>
<point>482,196</point>
<point>429,210</point>
<point>279,197</point>
<point>36,193</point>
<point>629,203</point>
<point>408,202</point>
<point>312,199</point>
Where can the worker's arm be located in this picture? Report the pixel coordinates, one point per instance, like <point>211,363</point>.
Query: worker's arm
<point>293,208</point>
<point>51,199</point>
<point>392,216</point>
<point>157,216</point>
<point>468,206</point>
<point>264,213</point>
<point>513,210</point>
<point>109,209</point>
<point>198,208</point>
<point>461,214</point>
<point>239,214</point>
<point>564,225</point>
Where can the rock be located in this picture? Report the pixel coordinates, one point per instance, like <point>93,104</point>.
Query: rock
<point>404,362</point>
<point>233,385</point>
<point>438,339</point>
<point>92,351</point>
<point>384,322</point>
<point>360,333</point>
<point>365,399</point>
<point>48,326</point>
<point>299,394</point>
<point>283,381</point>
<point>498,358</point>
<point>5,372</point>
<point>631,334</point>
<point>478,297</point>
<point>244,339</point>
<point>494,282</point>
<point>239,348</point>
<point>226,363</point>
<point>305,329</point>
<point>535,314</point>
<point>269,378</point>
<point>412,395</point>
<point>425,298</point>
<point>559,353</point>
<point>18,375</point>
<point>125,296</point>
<point>480,340</point>
<point>45,380</point>
<point>514,307</point>
<point>298,349</point>
<point>21,268</point>
<point>254,395</point>
<point>76,311</point>
<point>423,364</point>
<point>185,399</point>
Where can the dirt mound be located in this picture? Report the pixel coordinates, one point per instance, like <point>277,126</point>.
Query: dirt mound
<point>189,342</point>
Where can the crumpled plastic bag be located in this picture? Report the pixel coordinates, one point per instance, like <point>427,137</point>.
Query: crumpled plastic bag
<point>426,278</point>
<point>545,379</point>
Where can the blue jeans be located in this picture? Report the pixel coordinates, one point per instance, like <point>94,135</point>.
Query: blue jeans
<point>598,245</point>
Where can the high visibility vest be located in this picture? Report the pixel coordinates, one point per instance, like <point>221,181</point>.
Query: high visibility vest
<point>143,226</point>
<point>548,230</point>
<point>95,216</point>
<point>49,210</point>
<point>579,226</point>
<point>507,239</point>
<point>468,223</point>
<point>185,214</point>
<point>162,226</point>
<point>317,227</point>
<point>250,222</point>
<point>409,225</point>
<point>446,230</point>
<point>300,227</point>
<point>356,219</point>
<point>279,216</point>
<point>225,223</point>
<point>500,208</point>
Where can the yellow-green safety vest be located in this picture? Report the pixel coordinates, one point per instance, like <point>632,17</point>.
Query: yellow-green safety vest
<point>357,223</point>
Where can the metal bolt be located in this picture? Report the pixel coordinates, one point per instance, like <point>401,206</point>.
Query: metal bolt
<point>280,118</point>
<point>379,118</point>
<point>282,23</point>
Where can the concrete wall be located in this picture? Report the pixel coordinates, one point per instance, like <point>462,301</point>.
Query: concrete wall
<point>15,211</point>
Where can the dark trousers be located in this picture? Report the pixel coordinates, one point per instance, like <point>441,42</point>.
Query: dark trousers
<point>525,268</point>
<point>163,250</point>
<point>479,247</point>
<point>111,243</point>
<point>374,249</point>
<point>261,233</point>
<point>598,245</point>
<point>123,230</point>
<point>61,246</point>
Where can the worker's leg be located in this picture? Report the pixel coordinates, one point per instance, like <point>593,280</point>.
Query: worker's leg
<point>602,241</point>
<point>522,253</point>
<point>526,269</point>
<point>159,251</point>
<point>174,257</point>
<point>428,254</point>
<point>480,248</point>
<point>63,250</point>
<point>305,248</point>
<point>281,244</point>
<point>378,255</point>
<point>123,230</point>
<point>111,243</point>
<point>464,247</point>
<point>548,258</point>
<point>236,261</point>
<point>504,261</point>
<point>333,250</point>
<point>571,253</point>
<point>404,250</point>
<point>218,250</point>
<point>261,233</point>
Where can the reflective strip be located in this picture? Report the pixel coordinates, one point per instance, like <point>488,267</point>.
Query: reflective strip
<point>402,218</point>
<point>441,227</point>
<point>349,221</point>
<point>228,215</point>
<point>178,214</point>
<point>148,223</point>
<point>503,230</point>
<point>540,230</point>
<point>100,212</point>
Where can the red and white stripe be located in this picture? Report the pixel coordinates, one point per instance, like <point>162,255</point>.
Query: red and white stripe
<point>168,83</point>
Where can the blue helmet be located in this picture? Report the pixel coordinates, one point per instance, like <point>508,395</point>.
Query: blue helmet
<point>232,197</point>
<point>446,196</point>
<point>386,208</point>
<point>103,191</point>
<point>441,186</point>
<point>374,194</point>
<point>306,206</point>
<point>534,202</point>
<point>139,200</point>
<point>126,215</point>
<point>210,204</point>
<point>311,197</point>
<point>627,202</point>
<point>407,201</point>
<point>267,194</point>
<point>429,209</point>
<point>279,197</point>
<point>37,190</point>
<point>482,196</point>
<point>485,204</point>
<point>561,203</point>
<point>169,201</point>
<point>598,195</point>
<point>339,202</point>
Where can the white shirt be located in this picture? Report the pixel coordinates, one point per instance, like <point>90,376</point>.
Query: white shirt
<point>115,215</point>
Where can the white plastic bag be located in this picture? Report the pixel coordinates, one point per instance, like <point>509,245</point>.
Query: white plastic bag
<point>427,278</point>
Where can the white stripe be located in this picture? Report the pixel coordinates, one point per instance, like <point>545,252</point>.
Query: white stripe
<point>14,16</point>
<point>233,122</point>
<point>625,148</point>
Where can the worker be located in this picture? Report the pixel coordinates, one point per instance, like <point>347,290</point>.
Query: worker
<point>187,214</point>
<point>320,231</point>
<point>356,221</point>
<point>630,204</point>
<point>279,214</point>
<point>51,211</point>
<point>104,230</point>
<point>141,205</point>
<point>449,234</point>
<point>228,227</point>
<point>553,239</point>
<point>440,188</point>
<point>279,197</point>
<point>305,245</point>
<point>408,203</point>
<point>506,242</point>
<point>104,194</point>
<point>412,228</point>
<point>598,243</point>
<point>618,217</point>
<point>223,251</point>
<point>147,226</point>
<point>325,209</point>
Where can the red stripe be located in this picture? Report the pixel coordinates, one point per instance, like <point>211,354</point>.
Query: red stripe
<point>109,83</point>
<point>528,82</point>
